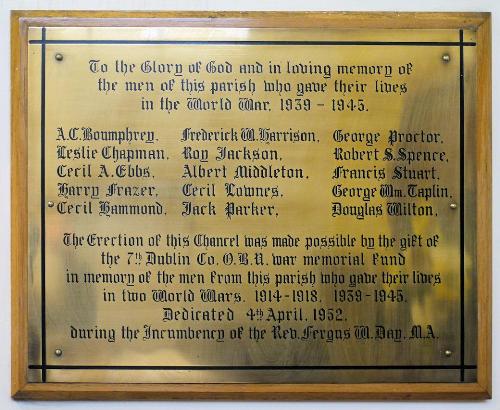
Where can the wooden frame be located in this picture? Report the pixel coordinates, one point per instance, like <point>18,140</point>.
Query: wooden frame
<point>21,389</point>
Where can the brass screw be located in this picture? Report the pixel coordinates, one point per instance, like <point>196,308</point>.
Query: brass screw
<point>446,58</point>
<point>59,57</point>
<point>453,205</point>
<point>50,204</point>
<point>448,353</point>
<point>58,352</point>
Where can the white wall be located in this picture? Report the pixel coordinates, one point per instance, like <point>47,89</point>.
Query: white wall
<point>343,5</point>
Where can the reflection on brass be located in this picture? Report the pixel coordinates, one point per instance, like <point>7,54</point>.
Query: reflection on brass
<point>240,205</point>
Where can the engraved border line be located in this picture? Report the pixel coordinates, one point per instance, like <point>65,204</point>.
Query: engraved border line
<point>261,42</point>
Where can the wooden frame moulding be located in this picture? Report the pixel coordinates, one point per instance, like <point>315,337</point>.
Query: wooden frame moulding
<point>22,389</point>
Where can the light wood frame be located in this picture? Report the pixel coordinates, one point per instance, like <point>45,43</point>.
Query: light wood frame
<point>22,389</point>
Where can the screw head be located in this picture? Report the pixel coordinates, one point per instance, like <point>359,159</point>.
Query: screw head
<point>50,204</point>
<point>59,57</point>
<point>453,205</point>
<point>448,353</point>
<point>446,58</point>
<point>58,352</point>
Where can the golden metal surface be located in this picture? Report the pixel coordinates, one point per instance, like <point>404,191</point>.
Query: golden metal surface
<point>354,329</point>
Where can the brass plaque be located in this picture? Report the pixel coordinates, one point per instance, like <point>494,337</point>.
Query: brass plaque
<point>251,205</point>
